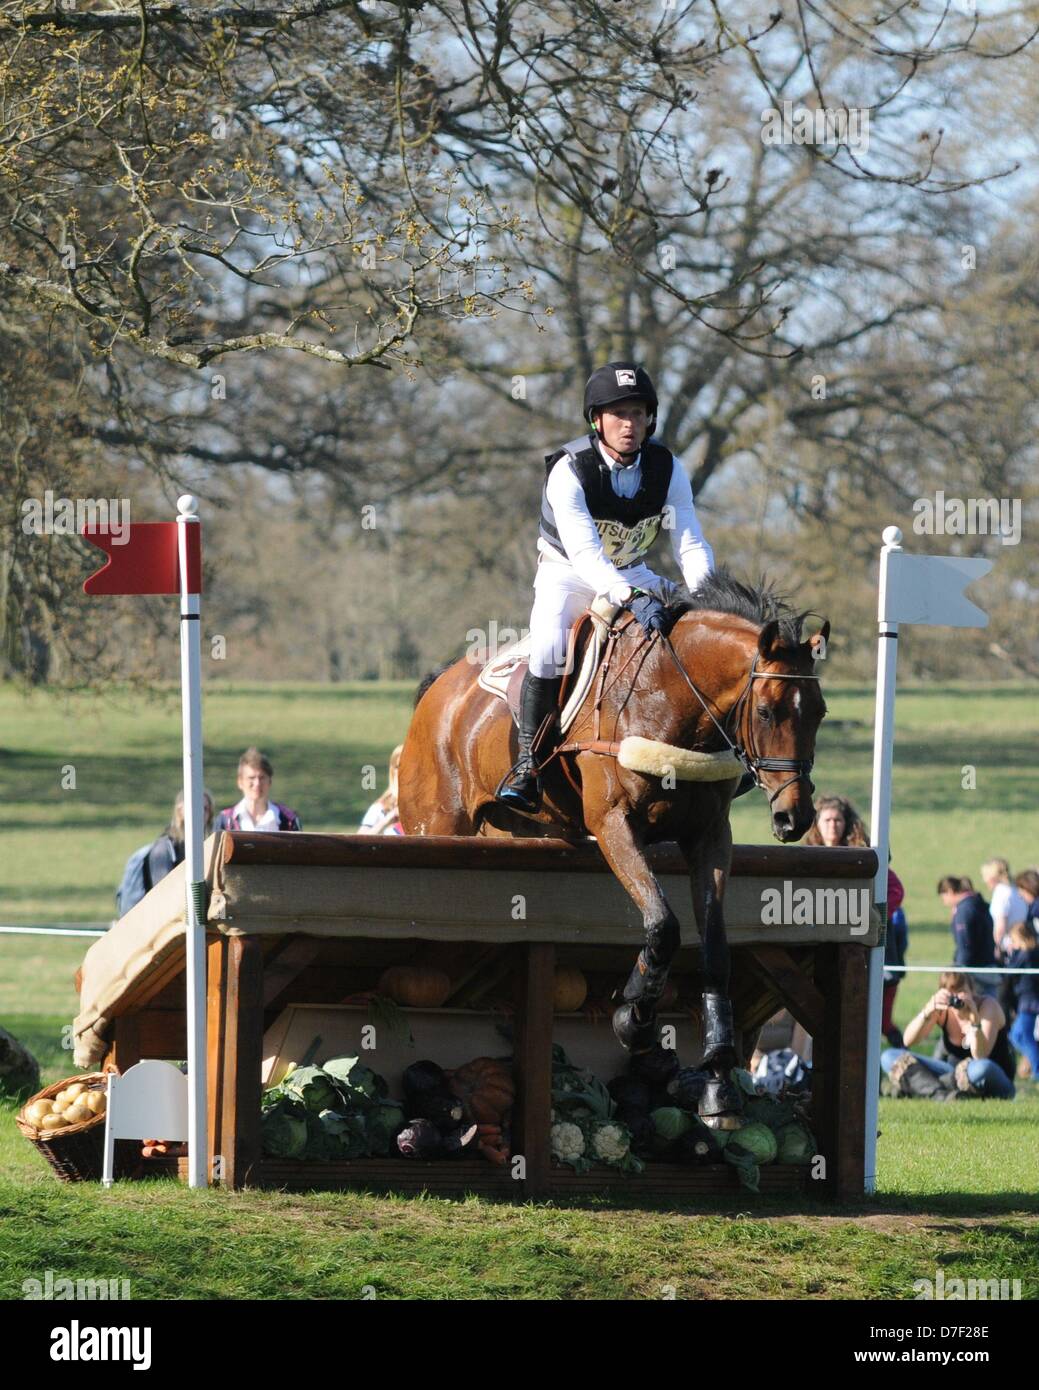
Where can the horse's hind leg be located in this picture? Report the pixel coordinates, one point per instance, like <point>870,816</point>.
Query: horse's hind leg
<point>635,1021</point>
<point>709,859</point>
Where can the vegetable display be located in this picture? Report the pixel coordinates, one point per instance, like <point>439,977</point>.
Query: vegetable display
<point>330,1113</point>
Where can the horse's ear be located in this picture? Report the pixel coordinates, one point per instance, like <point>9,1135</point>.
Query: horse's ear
<point>817,644</point>
<point>768,640</point>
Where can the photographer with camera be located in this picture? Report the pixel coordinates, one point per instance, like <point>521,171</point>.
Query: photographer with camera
<point>974,1030</point>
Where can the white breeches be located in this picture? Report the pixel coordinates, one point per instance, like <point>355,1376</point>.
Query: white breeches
<point>560,597</point>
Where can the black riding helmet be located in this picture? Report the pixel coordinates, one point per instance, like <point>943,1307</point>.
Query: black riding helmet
<point>620,381</point>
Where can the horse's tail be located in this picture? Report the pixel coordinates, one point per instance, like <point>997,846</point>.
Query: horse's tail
<point>428,679</point>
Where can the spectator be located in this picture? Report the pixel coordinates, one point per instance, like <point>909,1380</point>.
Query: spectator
<point>1006,904</point>
<point>980,1061</point>
<point>1023,954</point>
<point>1027,885</point>
<point>255,811</point>
<point>838,823</point>
<point>382,816</point>
<point>152,862</point>
<point>971,928</point>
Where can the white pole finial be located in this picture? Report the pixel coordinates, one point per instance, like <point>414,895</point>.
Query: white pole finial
<point>187,505</point>
<point>892,538</point>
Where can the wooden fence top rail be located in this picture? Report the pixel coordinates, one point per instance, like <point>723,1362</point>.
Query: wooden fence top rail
<point>244,847</point>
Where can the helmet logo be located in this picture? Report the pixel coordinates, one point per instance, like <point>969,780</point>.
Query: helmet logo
<point>625,376</point>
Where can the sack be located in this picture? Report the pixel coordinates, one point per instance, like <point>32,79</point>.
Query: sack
<point>137,880</point>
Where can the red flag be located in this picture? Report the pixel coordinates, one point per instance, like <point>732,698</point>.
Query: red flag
<point>147,563</point>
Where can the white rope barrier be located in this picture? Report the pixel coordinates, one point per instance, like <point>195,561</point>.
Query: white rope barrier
<point>58,930</point>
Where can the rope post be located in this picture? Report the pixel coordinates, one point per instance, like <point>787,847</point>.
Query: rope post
<point>880,826</point>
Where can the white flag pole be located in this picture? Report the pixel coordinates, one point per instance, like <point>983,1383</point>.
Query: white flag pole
<point>880,831</point>
<point>194,873</point>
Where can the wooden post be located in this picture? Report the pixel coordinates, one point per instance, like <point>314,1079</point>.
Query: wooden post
<point>216,954</point>
<point>125,1049</point>
<point>532,1113</point>
<point>242,1054</point>
<point>839,1068</point>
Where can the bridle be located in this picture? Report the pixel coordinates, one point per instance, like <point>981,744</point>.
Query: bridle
<point>748,756</point>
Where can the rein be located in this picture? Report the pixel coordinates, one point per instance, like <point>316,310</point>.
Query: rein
<point>800,767</point>
<point>748,757</point>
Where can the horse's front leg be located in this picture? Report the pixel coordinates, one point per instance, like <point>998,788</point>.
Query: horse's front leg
<point>709,857</point>
<point>635,1020</point>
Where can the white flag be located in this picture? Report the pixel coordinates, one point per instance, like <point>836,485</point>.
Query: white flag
<point>928,589</point>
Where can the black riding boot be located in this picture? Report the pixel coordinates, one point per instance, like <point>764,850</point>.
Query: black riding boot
<point>520,788</point>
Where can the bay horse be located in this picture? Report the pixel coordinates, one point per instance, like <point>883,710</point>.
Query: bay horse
<point>735,674</point>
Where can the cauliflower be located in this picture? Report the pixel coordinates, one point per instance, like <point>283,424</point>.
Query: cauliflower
<point>568,1143</point>
<point>611,1142</point>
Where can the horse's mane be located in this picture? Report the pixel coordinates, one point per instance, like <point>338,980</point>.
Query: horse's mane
<point>722,592</point>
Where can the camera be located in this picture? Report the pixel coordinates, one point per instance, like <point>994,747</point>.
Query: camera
<point>957,1001</point>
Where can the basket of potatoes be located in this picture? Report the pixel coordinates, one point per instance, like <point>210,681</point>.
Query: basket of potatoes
<point>66,1122</point>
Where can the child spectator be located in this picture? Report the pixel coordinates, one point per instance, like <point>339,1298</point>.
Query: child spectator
<point>255,811</point>
<point>971,928</point>
<point>1023,954</point>
<point>382,816</point>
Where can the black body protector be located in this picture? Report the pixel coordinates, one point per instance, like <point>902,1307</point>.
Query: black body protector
<point>628,526</point>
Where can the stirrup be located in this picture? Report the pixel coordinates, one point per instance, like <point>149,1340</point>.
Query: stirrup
<point>523,770</point>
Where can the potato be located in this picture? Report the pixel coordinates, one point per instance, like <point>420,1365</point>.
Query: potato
<point>77,1114</point>
<point>52,1121</point>
<point>76,1088</point>
<point>38,1109</point>
<point>61,1104</point>
<point>96,1102</point>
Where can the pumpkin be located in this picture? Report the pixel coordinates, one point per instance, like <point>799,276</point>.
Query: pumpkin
<point>485,1088</point>
<point>569,991</point>
<point>416,986</point>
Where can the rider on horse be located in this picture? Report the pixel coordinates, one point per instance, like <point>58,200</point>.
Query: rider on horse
<point>603,502</point>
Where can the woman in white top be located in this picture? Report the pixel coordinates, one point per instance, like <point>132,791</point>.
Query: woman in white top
<point>1008,907</point>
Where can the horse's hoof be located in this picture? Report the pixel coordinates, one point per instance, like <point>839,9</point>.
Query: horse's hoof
<point>721,1097</point>
<point>633,1034</point>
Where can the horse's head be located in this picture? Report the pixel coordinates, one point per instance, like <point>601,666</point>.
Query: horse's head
<point>776,720</point>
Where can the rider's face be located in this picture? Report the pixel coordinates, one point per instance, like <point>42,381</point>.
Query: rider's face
<point>623,426</point>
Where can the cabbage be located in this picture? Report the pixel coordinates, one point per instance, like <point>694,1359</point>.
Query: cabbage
<point>670,1124</point>
<point>358,1084</point>
<point>331,1136</point>
<point>575,1089</point>
<point>383,1124</point>
<point>795,1145</point>
<point>756,1140</point>
<point>313,1087</point>
<point>284,1130</point>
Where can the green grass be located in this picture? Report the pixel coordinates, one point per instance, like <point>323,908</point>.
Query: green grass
<point>958,1184</point>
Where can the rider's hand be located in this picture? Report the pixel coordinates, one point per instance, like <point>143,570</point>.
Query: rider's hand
<point>651,613</point>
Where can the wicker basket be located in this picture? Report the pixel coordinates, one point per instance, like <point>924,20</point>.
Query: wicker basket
<point>77,1153</point>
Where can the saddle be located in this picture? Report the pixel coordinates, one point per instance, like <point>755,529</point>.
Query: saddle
<point>503,674</point>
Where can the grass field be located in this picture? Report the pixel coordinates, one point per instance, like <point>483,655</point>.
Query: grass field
<point>959,1185</point>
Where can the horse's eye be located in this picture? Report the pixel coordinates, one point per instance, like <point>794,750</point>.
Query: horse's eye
<point>764,714</point>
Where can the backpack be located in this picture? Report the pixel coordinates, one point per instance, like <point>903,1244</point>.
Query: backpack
<point>137,880</point>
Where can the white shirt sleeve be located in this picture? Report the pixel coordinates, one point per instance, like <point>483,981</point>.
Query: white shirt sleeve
<point>695,557</point>
<point>577,531</point>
